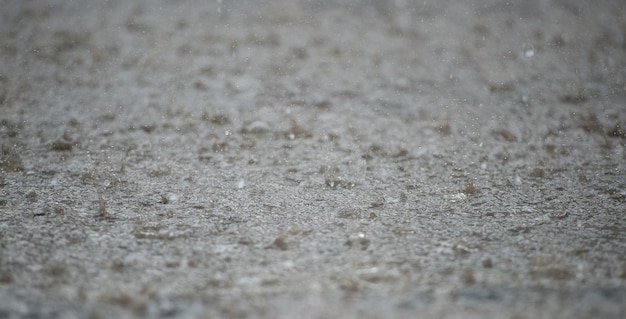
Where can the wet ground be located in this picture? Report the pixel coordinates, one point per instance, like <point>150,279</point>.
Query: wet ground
<point>191,159</point>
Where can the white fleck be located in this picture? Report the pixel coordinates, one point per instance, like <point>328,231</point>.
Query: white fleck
<point>455,197</point>
<point>171,197</point>
<point>258,127</point>
<point>241,184</point>
<point>529,52</point>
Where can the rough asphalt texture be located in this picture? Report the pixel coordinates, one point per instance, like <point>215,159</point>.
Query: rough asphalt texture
<point>262,159</point>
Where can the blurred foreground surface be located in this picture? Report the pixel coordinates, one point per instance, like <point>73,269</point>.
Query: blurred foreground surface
<point>190,159</point>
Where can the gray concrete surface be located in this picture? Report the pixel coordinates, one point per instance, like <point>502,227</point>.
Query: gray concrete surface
<point>312,159</point>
